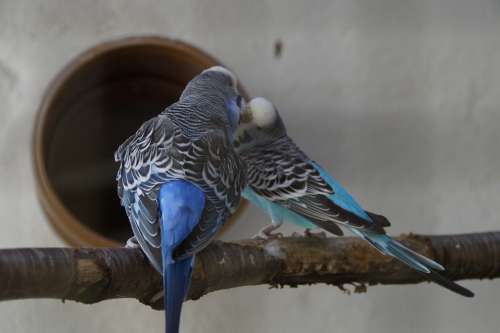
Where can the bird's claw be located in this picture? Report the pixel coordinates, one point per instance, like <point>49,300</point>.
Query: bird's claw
<point>267,233</point>
<point>262,235</point>
<point>132,243</point>
<point>320,234</point>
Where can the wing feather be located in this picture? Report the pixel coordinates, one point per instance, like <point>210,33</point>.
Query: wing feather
<point>283,174</point>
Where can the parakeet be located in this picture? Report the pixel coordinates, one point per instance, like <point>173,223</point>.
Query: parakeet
<point>288,185</point>
<point>180,179</point>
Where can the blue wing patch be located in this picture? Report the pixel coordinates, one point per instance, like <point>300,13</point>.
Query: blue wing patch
<point>340,197</point>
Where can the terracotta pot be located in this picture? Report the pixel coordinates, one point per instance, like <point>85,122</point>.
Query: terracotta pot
<point>93,105</point>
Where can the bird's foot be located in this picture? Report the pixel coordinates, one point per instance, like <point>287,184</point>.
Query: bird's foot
<point>267,233</point>
<point>132,243</point>
<point>156,297</point>
<point>309,233</point>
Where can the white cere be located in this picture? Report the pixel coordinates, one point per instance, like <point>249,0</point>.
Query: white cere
<point>263,112</point>
<point>225,71</point>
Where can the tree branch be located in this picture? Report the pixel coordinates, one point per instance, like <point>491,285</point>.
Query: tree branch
<point>92,275</point>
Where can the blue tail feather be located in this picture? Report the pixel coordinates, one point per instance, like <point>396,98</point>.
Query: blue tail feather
<point>176,280</point>
<point>389,246</point>
<point>181,207</point>
<point>397,246</point>
<point>420,263</point>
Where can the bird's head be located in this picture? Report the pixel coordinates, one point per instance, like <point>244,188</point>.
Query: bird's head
<point>260,123</point>
<point>222,74</point>
<point>217,89</point>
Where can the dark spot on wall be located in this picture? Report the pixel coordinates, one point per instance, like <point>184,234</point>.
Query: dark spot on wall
<point>278,48</point>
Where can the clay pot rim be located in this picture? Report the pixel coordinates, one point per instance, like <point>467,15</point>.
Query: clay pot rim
<point>60,217</point>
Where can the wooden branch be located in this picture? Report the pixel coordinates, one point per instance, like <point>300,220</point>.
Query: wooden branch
<point>93,275</point>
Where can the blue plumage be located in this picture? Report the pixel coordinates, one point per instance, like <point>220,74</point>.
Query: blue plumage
<point>277,212</point>
<point>181,205</point>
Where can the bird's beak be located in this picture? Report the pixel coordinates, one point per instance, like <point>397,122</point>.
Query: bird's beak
<point>241,136</point>
<point>246,114</point>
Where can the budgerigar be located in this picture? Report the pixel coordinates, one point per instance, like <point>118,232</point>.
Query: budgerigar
<point>180,179</point>
<point>288,185</point>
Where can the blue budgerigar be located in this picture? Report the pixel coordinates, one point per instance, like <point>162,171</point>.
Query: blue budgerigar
<point>180,179</point>
<point>288,185</point>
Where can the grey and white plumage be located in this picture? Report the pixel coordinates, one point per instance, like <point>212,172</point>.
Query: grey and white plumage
<point>280,172</point>
<point>287,184</point>
<point>189,140</point>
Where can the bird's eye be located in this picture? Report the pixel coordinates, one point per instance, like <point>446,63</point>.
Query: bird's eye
<point>239,100</point>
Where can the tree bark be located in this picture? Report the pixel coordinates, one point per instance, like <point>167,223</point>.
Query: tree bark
<point>93,275</point>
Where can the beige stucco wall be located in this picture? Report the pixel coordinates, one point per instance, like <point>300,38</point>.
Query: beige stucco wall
<point>406,93</point>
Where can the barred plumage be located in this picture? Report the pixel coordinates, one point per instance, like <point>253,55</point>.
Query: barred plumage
<point>186,141</point>
<point>282,173</point>
<point>282,179</point>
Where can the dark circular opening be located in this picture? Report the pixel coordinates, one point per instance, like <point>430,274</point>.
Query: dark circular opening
<point>90,109</point>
